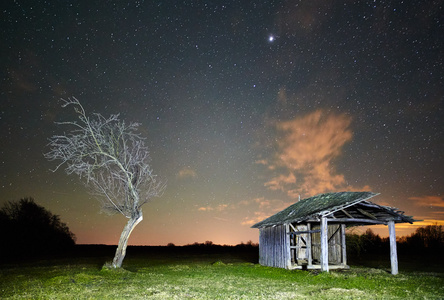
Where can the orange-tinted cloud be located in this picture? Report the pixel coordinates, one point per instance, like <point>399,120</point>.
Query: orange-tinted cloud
<point>402,229</point>
<point>264,208</point>
<point>429,201</point>
<point>306,149</point>
<point>261,208</point>
<point>316,137</point>
<point>257,217</point>
<point>280,181</point>
<point>186,172</point>
<point>265,162</point>
<point>219,207</point>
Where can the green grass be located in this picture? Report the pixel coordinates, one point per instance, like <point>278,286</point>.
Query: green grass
<point>206,277</point>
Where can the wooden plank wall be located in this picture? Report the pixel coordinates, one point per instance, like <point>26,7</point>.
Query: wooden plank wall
<point>273,246</point>
<point>274,243</point>
<point>334,244</point>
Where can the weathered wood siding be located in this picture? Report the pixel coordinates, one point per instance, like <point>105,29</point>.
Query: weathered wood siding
<point>273,247</point>
<point>298,243</point>
<point>334,244</point>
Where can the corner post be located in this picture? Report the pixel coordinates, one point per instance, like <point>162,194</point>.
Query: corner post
<point>343,246</point>
<point>393,252</point>
<point>287,247</point>
<point>324,245</point>
<point>310,255</point>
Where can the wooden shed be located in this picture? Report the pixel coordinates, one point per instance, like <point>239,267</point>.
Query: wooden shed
<point>311,233</point>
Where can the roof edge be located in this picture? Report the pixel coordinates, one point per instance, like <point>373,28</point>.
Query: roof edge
<point>303,202</point>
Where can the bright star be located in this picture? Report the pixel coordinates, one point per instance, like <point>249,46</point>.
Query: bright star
<point>271,38</point>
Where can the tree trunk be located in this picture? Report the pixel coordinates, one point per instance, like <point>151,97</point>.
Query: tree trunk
<point>123,242</point>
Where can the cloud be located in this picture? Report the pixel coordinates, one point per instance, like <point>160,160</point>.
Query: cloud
<point>429,201</point>
<point>315,138</point>
<point>264,162</point>
<point>423,223</point>
<point>221,219</point>
<point>305,153</point>
<point>255,209</point>
<point>262,208</point>
<point>279,182</point>
<point>186,172</point>
<point>257,217</point>
<point>302,160</point>
<point>219,207</point>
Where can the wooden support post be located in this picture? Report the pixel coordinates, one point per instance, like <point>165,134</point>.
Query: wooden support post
<point>287,238</point>
<point>309,253</point>
<point>344,248</point>
<point>324,245</point>
<point>393,252</point>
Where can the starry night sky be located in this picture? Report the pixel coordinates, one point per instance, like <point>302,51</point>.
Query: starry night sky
<point>245,106</point>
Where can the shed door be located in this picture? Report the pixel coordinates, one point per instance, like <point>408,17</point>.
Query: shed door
<point>334,244</point>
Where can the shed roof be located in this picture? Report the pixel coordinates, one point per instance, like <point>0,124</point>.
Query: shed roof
<point>347,207</point>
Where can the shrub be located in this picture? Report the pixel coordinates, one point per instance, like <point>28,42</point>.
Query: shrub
<point>28,230</point>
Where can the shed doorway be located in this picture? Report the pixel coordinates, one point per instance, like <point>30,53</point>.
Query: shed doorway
<point>305,246</point>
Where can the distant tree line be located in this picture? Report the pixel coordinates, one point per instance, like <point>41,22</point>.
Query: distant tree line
<point>29,230</point>
<point>209,246</point>
<point>428,239</point>
<point>248,244</point>
<point>248,251</point>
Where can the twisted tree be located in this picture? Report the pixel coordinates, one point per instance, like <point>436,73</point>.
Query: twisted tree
<point>113,161</point>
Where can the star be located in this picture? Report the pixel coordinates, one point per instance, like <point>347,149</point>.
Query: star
<point>271,38</point>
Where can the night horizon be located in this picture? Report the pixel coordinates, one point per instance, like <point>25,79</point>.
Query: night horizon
<point>245,107</point>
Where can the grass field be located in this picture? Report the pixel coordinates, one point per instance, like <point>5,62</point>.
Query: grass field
<point>171,275</point>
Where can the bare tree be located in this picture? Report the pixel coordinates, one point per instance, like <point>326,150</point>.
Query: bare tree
<point>114,162</point>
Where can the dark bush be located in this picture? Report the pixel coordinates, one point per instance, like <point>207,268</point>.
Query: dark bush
<point>368,242</point>
<point>29,230</point>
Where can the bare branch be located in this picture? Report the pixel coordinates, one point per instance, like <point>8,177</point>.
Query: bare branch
<point>110,156</point>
